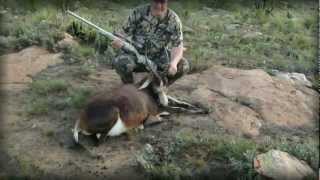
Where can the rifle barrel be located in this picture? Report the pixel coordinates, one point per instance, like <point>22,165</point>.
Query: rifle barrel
<point>110,35</point>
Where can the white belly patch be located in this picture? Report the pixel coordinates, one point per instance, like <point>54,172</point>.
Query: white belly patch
<point>118,128</point>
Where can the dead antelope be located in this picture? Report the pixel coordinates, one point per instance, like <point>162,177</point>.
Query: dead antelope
<point>124,108</point>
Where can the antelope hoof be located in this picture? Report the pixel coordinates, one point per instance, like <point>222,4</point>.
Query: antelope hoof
<point>139,128</point>
<point>154,120</point>
<point>159,119</point>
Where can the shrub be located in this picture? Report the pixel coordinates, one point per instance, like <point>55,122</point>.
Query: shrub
<point>78,97</point>
<point>45,87</point>
<point>38,106</point>
<point>78,54</point>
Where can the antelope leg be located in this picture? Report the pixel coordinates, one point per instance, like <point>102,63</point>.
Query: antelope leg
<point>176,108</point>
<point>153,120</point>
<point>141,127</point>
<point>179,102</point>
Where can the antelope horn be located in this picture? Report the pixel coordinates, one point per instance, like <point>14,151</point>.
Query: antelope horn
<point>146,83</point>
<point>174,100</point>
<point>182,109</point>
<point>76,131</point>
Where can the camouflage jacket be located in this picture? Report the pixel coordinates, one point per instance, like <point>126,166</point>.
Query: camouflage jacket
<point>152,33</point>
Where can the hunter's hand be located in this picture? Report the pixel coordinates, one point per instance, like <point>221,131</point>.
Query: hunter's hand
<point>117,44</point>
<point>172,69</point>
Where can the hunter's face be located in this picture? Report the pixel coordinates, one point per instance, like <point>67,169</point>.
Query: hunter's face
<point>159,8</point>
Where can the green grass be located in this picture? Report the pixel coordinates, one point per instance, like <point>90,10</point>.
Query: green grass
<point>45,96</point>
<point>40,101</point>
<point>39,106</point>
<point>49,133</point>
<point>83,72</point>
<point>191,152</point>
<point>46,87</point>
<point>78,97</point>
<point>284,44</point>
<point>78,54</point>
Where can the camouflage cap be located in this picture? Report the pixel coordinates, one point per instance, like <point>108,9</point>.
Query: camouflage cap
<point>160,1</point>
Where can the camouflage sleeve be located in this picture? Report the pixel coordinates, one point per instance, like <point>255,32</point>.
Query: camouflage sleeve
<point>177,34</point>
<point>131,23</point>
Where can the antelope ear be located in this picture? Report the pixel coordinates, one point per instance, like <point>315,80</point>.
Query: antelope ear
<point>76,131</point>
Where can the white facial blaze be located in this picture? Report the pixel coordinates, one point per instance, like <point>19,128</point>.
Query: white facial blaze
<point>163,98</point>
<point>118,128</point>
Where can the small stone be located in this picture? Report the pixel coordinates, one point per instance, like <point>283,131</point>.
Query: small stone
<point>294,78</point>
<point>232,27</point>
<point>148,148</point>
<point>252,35</point>
<point>67,42</point>
<point>276,164</point>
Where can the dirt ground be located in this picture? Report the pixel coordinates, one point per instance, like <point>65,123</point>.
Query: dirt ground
<point>42,146</point>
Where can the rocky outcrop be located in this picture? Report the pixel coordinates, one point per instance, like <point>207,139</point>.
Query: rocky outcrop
<point>243,101</point>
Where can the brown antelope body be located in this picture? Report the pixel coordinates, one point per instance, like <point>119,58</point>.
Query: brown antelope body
<point>125,108</point>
